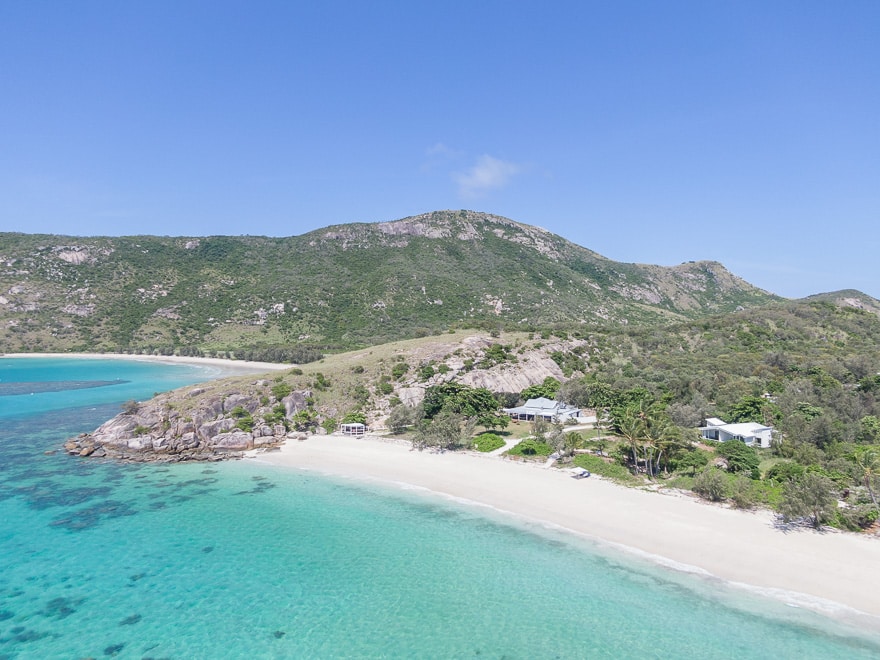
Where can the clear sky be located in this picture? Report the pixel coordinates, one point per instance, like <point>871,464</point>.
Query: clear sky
<point>654,132</point>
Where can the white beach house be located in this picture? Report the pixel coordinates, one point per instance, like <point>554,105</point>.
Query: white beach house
<point>544,408</point>
<point>751,433</point>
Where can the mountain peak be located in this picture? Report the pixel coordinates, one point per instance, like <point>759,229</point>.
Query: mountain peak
<point>461,225</point>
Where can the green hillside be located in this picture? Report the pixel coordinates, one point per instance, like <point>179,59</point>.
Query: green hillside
<point>340,287</point>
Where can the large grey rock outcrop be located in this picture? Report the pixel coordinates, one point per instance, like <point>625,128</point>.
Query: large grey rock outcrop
<point>530,370</point>
<point>295,402</point>
<point>240,400</point>
<point>157,431</point>
<point>411,396</point>
<point>210,430</point>
<point>233,441</point>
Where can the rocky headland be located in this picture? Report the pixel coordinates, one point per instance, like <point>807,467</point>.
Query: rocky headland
<point>204,423</point>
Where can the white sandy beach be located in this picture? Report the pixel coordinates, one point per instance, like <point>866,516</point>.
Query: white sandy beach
<point>831,572</point>
<point>229,366</point>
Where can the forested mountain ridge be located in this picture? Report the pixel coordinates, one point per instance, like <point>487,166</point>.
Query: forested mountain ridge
<point>338,287</point>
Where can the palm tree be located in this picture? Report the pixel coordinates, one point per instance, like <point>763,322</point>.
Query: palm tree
<point>573,441</point>
<point>603,421</point>
<point>660,436</point>
<point>631,425</point>
<point>868,461</point>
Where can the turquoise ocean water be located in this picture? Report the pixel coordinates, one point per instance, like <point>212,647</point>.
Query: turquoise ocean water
<point>243,560</point>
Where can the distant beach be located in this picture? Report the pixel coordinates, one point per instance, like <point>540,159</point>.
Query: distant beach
<point>243,366</point>
<point>830,572</point>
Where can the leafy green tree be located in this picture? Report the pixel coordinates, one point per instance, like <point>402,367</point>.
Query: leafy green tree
<point>355,417</point>
<point>868,461</point>
<point>711,485</point>
<point>822,379</point>
<point>753,409</point>
<point>785,471</point>
<point>540,428</point>
<point>741,458</point>
<point>575,393</point>
<point>477,403</point>
<point>869,430</point>
<point>547,389</point>
<point>426,372</point>
<point>402,417</point>
<point>808,411</point>
<point>601,395</point>
<point>437,395</point>
<point>281,390</point>
<point>278,415</point>
<point>447,430</point>
<point>243,419</point>
<point>507,399</point>
<point>870,383</point>
<point>691,460</point>
<point>493,421</point>
<point>811,496</point>
<point>304,419</point>
<point>399,370</point>
<point>321,382</point>
<point>823,432</point>
<point>636,398</point>
<point>330,424</point>
<point>742,492</point>
<point>686,414</point>
<point>496,354</point>
<point>399,418</point>
<point>360,394</point>
<point>555,437</point>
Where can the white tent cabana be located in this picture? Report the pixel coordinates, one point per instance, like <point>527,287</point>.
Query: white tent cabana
<point>355,429</point>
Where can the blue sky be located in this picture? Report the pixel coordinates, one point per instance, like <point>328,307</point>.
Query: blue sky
<point>653,132</point>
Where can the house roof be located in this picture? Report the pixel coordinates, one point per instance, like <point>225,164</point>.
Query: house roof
<point>543,403</point>
<point>542,406</point>
<point>745,428</point>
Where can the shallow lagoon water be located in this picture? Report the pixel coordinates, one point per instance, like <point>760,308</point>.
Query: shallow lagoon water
<point>241,559</point>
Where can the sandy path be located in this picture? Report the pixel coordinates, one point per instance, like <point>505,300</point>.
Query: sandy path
<point>829,572</point>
